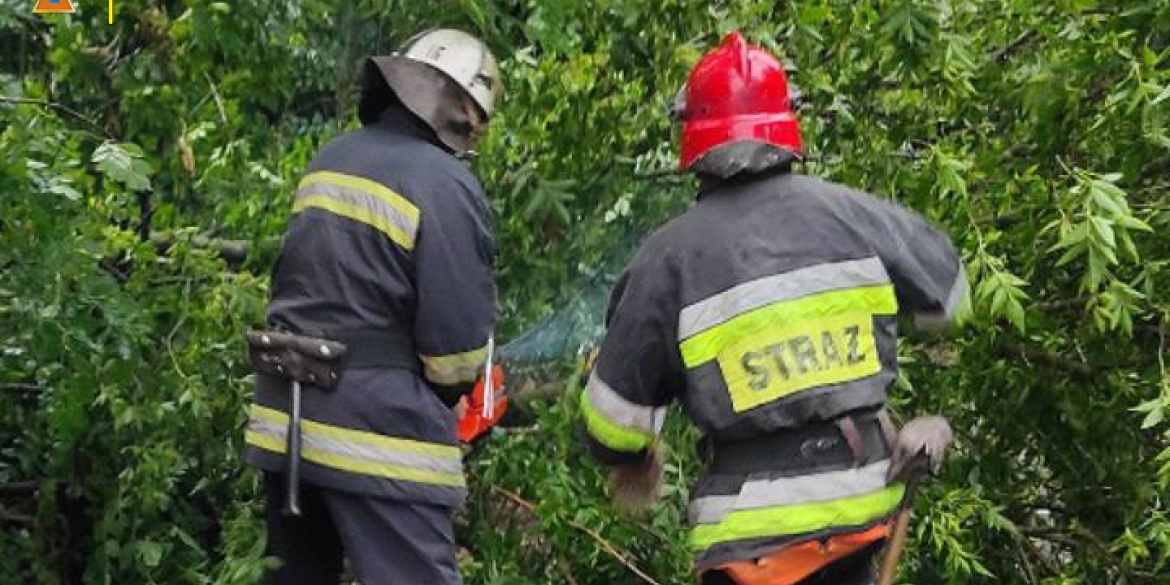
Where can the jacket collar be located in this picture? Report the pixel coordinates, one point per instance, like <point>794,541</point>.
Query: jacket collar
<point>399,120</point>
<point>712,185</point>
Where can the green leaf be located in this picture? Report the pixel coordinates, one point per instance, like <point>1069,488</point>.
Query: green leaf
<point>150,553</point>
<point>1162,96</point>
<point>123,164</point>
<point>1133,223</point>
<point>1015,314</point>
<point>1103,229</point>
<point>1072,254</point>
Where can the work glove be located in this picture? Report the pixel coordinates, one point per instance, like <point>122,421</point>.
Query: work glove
<point>636,486</point>
<point>920,448</point>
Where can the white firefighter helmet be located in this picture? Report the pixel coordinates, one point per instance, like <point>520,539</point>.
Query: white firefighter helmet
<point>430,75</point>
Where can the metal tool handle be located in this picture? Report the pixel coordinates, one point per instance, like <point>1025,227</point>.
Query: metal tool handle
<point>489,386</point>
<point>292,501</point>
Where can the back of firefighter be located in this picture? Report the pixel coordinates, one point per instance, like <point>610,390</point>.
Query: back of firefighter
<point>389,251</point>
<point>769,310</point>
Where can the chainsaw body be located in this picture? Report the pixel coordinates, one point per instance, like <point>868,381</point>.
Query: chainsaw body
<point>485,406</point>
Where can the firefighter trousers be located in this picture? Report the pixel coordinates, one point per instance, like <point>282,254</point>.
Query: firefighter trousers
<point>387,542</point>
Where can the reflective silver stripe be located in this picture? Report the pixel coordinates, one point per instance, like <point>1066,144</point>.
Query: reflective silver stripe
<point>932,321</point>
<point>389,209</point>
<point>712,311</point>
<point>333,446</point>
<point>788,491</point>
<point>620,411</point>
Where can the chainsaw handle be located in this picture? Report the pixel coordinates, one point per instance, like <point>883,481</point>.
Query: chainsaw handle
<point>479,417</point>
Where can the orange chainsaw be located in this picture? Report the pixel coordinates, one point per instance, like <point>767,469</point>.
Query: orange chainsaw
<point>487,402</point>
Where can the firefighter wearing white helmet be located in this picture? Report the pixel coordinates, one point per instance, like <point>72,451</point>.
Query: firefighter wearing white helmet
<point>383,301</point>
<point>446,77</point>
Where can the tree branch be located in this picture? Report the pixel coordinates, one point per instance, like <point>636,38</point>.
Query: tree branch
<point>1083,539</point>
<point>59,107</point>
<point>601,541</point>
<point>23,387</point>
<point>232,251</point>
<point>19,488</point>
<point>15,518</point>
<point>1015,350</point>
<point>1010,49</point>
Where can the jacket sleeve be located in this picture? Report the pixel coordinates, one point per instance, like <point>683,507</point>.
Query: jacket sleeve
<point>456,290</point>
<point>638,371</point>
<point>926,269</point>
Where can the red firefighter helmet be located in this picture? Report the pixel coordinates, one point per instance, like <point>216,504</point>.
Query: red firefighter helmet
<point>737,92</point>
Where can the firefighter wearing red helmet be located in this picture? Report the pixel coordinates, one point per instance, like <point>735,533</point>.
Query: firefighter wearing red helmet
<point>769,310</point>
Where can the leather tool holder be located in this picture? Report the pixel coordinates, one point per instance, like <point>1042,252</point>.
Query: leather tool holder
<point>308,360</point>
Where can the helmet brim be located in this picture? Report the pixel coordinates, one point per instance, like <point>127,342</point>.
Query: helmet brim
<point>429,93</point>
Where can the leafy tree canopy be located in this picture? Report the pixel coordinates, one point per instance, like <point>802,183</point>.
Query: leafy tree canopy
<point>147,170</point>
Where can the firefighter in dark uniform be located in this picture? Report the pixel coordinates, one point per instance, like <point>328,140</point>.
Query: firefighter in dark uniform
<point>769,310</point>
<point>388,259</point>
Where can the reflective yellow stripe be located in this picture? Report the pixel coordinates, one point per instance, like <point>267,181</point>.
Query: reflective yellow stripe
<point>799,518</point>
<point>707,345</point>
<point>263,441</point>
<point>357,214</point>
<point>610,433</point>
<point>367,186</point>
<point>355,464</point>
<point>454,368</point>
<point>361,200</point>
<point>372,439</point>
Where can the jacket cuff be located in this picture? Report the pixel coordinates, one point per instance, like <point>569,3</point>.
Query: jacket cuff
<point>610,457</point>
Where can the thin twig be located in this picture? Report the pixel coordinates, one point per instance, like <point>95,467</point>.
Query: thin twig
<point>605,544</point>
<point>663,174</point>
<point>218,100</point>
<point>1010,48</point>
<point>24,387</point>
<point>56,106</point>
<point>1029,572</point>
<point>1059,304</point>
<point>1011,349</point>
<point>6,516</point>
<point>565,572</point>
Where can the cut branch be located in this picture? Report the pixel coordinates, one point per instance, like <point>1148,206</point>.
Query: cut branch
<point>233,251</point>
<point>19,488</point>
<point>608,547</point>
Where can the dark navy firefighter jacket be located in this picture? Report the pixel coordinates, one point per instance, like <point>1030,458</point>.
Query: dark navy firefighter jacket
<point>769,305</point>
<point>389,232</point>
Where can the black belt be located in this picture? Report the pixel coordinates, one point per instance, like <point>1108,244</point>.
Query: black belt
<point>377,348</point>
<point>812,448</point>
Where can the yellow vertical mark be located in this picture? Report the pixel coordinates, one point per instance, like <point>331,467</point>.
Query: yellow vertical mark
<point>111,11</point>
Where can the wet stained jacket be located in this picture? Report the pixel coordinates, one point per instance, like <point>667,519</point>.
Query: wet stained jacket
<point>770,305</point>
<point>389,233</point>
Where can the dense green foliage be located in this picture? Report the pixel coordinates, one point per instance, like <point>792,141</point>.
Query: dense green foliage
<point>146,172</point>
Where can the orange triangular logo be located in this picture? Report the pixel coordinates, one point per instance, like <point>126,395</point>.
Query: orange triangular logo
<point>44,6</point>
